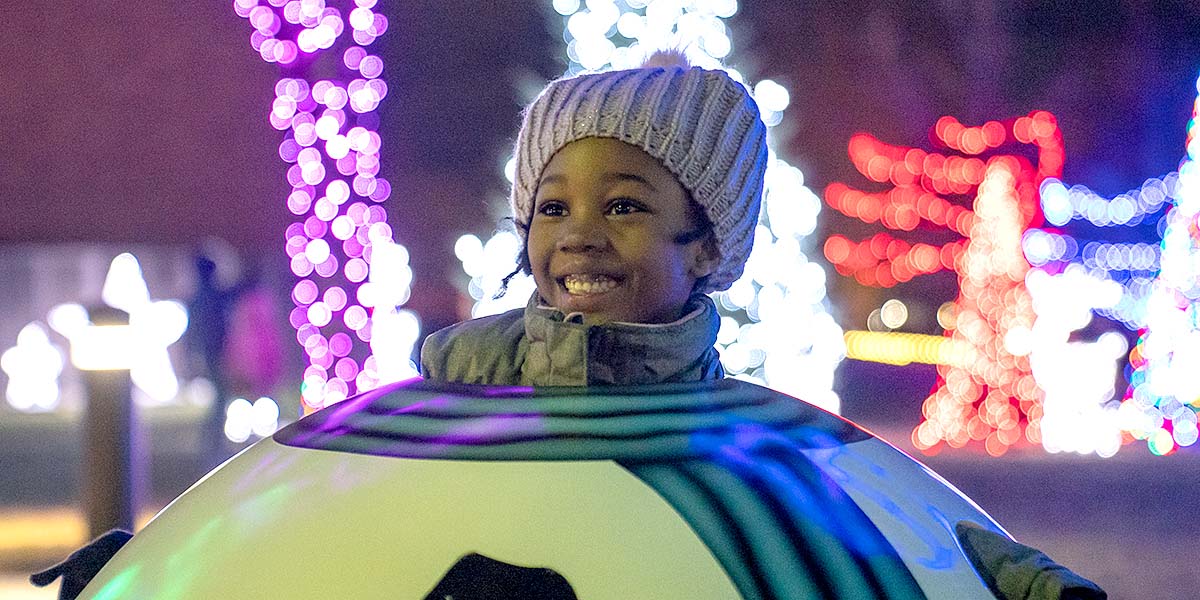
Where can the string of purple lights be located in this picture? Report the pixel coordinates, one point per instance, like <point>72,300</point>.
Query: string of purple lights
<point>351,275</point>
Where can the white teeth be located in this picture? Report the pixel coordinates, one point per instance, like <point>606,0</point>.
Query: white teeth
<point>579,285</point>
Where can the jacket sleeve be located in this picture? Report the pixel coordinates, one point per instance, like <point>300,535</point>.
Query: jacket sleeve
<point>1014,571</point>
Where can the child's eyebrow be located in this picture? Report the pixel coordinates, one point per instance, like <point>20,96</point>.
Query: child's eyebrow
<point>606,178</point>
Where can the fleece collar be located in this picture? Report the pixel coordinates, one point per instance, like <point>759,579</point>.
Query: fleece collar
<point>565,350</point>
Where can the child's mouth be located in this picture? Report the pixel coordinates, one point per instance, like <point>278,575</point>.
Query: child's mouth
<point>587,285</point>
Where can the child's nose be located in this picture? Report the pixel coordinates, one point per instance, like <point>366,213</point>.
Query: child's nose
<point>582,234</point>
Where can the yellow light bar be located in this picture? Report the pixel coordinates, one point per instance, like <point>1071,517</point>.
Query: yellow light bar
<point>906,348</point>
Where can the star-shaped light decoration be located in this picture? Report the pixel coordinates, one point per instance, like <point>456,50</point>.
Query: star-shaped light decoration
<point>33,366</point>
<point>153,326</point>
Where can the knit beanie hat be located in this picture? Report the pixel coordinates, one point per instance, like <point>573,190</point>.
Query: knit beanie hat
<point>701,124</point>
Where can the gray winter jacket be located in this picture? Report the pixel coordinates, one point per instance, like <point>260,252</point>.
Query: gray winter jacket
<point>540,346</point>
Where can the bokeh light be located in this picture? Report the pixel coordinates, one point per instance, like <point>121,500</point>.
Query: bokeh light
<point>33,367</point>
<point>351,272</point>
<point>987,390</point>
<point>1163,395</point>
<point>243,419</point>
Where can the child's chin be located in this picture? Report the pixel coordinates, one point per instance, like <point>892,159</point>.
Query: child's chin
<point>593,310</point>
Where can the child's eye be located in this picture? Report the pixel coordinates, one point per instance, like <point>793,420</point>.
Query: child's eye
<point>552,208</point>
<point>625,206</point>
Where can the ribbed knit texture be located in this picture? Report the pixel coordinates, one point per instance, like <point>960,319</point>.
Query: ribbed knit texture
<point>702,125</point>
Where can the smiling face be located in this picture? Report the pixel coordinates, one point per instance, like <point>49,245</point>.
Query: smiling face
<point>603,240</point>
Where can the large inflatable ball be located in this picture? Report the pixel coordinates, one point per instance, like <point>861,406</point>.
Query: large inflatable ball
<point>421,490</point>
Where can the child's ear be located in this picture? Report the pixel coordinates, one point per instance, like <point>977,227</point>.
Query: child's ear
<point>704,257</point>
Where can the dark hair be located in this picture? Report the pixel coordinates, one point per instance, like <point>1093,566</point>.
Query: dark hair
<point>522,258</point>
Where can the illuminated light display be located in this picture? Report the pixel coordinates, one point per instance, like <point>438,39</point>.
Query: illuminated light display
<point>893,314</point>
<point>154,325</point>
<point>994,398</point>
<point>243,419</point>
<point>1076,377</point>
<point>1061,204</point>
<point>351,275</point>
<point>33,367</point>
<point>775,329</point>
<point>35,363</point>
<point>906,348</point>
<point>1163,397</point>
<point>487,265</point>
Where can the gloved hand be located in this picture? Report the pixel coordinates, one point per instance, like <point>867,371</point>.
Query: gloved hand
<point>1014,571</point>
<point>82,565</point>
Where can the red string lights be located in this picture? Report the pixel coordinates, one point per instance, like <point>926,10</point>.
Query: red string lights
<point>993,398</point>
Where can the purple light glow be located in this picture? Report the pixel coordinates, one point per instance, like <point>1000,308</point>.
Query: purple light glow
<point>328,267</point>
<point>325,209</point>
<point>298,202</point>
<point>304,132</point>
<point>300,266</point>
<point>340,344</point>
<point>315,227</point>
<point>312,173</point>
<point>277,123</point>
<point>317,251</point>
<point>346,369</point>
<point>353,56</point>
<point>320,88</point>
<point>305,292</point>
<point>293,176</point>
<point>298,316</point>
<point>379,27</point>
<point>315,372</point>
<point>325,361</point>
<point>364,332</point>
<point>243,7</point>
<point>360,18</point>
<point>379,86</point>
<point>335,298</point>
<point>379,232</point>
<point>289,151</point>
<point>354,249</point>
<point>356,268</point>
<point>345,164</point>
<point>357,213</point>
<point>286,52</point>
<point>355,317</point>
<point>295,245</point>
<point>371,67</point>
<point>338,191</point>
<point>319,314</point>
<point>306,331</point>
<point>342,228</point>
<point>383,190</point>
<point>333,110</point>
<point>327,126</point>
<point>377,214</point>
<point>293,88</point>
<point>337,385</point>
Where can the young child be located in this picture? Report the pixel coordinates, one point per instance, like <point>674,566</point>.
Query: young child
<point>637,192</point>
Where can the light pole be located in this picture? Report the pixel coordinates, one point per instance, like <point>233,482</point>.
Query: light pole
<point>113,466</point>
